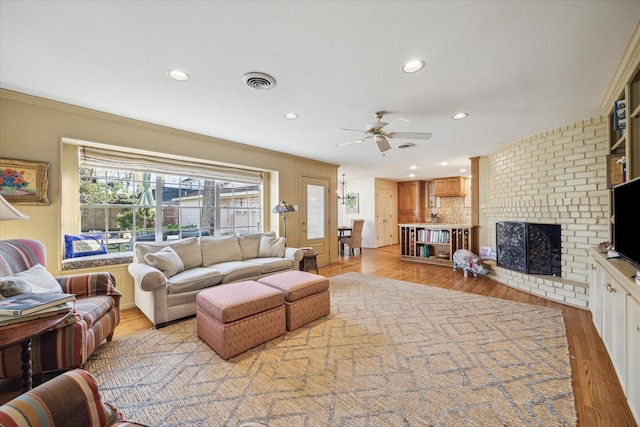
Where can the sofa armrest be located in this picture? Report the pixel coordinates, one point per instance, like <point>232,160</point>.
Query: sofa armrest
<point>90,284</point>
<point>294,253</point>
<point>72,398</point>
<point>148,278</point>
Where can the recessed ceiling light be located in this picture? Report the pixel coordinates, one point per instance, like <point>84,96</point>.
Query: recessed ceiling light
<point>411,175</point>
<point>413,167</point>
<point>463,170</point>
<point>291,116</point>
<point>178,75</point>
<point>460,116</point>
<point>443,163</point>
<point>413,66</point>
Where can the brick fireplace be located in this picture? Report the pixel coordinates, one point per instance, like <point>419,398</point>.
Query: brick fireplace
<point>529,248</point>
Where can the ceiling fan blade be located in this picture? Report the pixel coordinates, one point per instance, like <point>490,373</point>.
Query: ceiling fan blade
<point>409,135</point>
<point>350,142</point>
<point>383,144</point>
<point>396,124</point>
<point>354,130</point>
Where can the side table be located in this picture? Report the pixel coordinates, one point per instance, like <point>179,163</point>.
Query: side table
<point>309,261</point>
<point>23,333</point>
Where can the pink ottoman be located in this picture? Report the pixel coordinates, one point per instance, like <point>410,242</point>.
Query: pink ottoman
<point>233,318</point>
<point>306,295</point>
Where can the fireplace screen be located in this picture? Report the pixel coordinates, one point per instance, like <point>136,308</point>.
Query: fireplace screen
<point>529,247</point>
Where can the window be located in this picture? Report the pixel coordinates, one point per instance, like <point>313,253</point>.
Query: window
<point>128,206</point>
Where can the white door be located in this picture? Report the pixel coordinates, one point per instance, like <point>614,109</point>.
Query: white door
<point>383,217</point>
<point>314,214</point>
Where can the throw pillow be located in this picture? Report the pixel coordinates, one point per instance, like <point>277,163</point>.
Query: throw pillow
<point>38,278</point>
<point>84,245</point>
<point>166,260</point>
<point>13,286</point>
<point>272,247</point>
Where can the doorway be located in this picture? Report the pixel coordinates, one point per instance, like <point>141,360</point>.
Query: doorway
<point>314,214</point>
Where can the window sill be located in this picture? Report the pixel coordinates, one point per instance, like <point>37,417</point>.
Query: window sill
<point>97,261</point>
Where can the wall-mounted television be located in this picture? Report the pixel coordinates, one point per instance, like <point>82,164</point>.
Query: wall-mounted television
<point>626,221</point>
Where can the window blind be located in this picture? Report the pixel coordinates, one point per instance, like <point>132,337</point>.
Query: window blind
<point>120,160</point>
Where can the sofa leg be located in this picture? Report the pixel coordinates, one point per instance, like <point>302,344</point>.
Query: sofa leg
<point>110,336</point>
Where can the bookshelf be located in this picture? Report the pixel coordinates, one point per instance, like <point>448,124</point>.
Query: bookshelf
<point>433,243</point>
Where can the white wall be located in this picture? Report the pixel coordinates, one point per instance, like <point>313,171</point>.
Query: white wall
<point>367,207</point>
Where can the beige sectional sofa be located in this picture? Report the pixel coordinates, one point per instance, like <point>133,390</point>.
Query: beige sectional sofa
<point>168,275</point>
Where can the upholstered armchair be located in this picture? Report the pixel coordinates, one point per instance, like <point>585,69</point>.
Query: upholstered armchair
<point>70,399</point>
<point>93,320</point>
<point>354,241</point>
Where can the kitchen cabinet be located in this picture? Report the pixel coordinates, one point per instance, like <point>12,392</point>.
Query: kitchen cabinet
<point>449,187</point>
<point>614,302</point>
<point>411,201</point>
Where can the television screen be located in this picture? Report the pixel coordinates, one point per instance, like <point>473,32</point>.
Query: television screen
<point>626,220</point>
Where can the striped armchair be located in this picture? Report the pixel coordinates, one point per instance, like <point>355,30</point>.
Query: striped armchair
<point>69,345</point>
<point>70,399</point>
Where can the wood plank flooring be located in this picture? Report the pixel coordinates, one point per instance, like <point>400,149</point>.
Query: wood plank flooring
<point>599,397</point>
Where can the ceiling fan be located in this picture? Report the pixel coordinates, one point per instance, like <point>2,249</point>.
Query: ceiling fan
<point>381,132</point>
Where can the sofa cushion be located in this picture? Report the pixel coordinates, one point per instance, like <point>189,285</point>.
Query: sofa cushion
<point>187,249</point>
<point>220,249</point>
<point>272,264</point>
<point>189,252</point>
<point>38,278</point>
<point>166,260</point>
<point>238,270</point>
<point>271,247</point>
<point>93,308</point>
<point>249,245</point>
<point>193,279</point>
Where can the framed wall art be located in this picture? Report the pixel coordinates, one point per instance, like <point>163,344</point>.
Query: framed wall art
<point>24,182</point>
<point>352,203</point>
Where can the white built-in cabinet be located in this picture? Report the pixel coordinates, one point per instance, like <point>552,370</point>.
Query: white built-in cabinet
<point>633,356</point>
<point>614,300</point>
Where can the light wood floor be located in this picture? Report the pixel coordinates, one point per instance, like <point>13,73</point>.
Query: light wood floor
<point>599,397</point>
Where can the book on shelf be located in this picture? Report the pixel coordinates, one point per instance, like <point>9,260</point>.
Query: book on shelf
<point>47,312</point>
<point>23,304</point>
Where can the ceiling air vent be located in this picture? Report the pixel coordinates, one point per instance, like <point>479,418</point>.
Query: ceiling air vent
<point>405,146</point>
<point>259,81</point>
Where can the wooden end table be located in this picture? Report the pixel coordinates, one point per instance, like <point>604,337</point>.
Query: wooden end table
<point>309,261</point>
<point>23,333</point>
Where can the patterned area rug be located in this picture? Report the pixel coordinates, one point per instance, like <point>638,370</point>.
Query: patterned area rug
<point>391,353</point>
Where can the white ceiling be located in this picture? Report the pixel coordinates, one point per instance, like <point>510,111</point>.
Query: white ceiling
<point>517,67</point>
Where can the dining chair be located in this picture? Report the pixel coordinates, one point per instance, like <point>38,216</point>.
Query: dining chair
<point>354,241</point>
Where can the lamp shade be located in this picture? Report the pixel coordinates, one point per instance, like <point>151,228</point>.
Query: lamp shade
<point>283,207</point>
<point>8,212</point>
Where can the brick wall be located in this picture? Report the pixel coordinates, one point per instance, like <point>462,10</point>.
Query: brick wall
<point>554,177</point>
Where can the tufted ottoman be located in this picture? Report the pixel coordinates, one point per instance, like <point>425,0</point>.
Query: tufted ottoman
<point>306,295</point>
<point>236,317</point>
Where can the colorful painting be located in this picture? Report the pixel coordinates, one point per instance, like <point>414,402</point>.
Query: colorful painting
<point>24,182</point>
<point>352,203</point>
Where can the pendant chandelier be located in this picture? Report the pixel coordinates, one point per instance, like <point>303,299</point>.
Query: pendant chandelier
<point>343,194</point>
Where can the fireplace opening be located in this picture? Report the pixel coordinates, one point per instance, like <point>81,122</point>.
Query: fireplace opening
<point>529,248</point>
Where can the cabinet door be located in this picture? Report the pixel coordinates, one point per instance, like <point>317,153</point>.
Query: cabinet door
<point>454,186</point>
<point>614,329</point>
<point>596,284</point>
<point>633,356</point>
<point>440,187</point>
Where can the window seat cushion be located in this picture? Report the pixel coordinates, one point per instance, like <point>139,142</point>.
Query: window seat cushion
<point>97,260</point>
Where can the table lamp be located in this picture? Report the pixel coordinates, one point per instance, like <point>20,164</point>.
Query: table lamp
<point>8,212</point>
